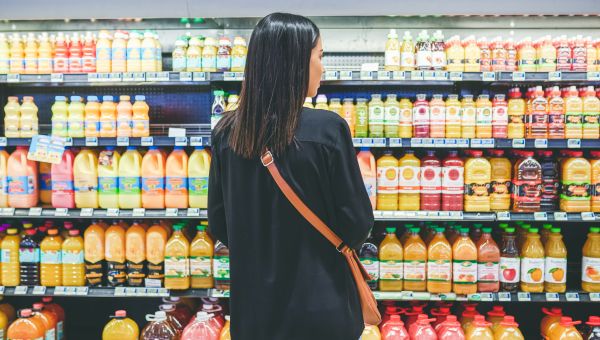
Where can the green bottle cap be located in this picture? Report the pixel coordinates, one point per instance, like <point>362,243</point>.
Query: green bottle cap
<point>409,225</point>
<point>486,230</point>
<point>414,230</point>
<point>526,225</point>
<point>464,230</point>
<point>547,226</point>
<point>533,230</point>
<point>595,230</point>
<point>177,227</point>
<point>519,223</point>
<point>391,230</point>
<point>200,227</point>
<point>439,229</point>
<point>555,230</point>
<point>503,225</point>
<point>510,230</point>
<point>477,225</point>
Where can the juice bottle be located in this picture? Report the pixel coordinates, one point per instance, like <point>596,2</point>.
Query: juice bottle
<point>92,117</point>
<point>472,55</point>
<point>455,54</point>
<point>3,178</point>
<point>224,55</point>
<point>130,168</point>
<point>556,114</point>
<point>532,263</point>
<point>85,178</point>
<point>29,258</point>
<point>308,103</point>
<point>120,328</point>
<point>499,54</point>
<point>119,52</point>
<point>452,182</point>
<point>415,261</point>
<point>335,105</point>
<point>390,262</point>
<point>238,55</point>
<point>156,239</point>
<point>468,116</point>
<point>114,248</point>
<point>527,184</point>
<point>177,262</point>
<point>10,258</point>
<point>176,188</point>
<point>221,270</point>
<point>95,264</point>
<point>75,54</point>
<point>423,51</point>
<point>12,117</point>
<point>563,54</point>
<point>495,316</point>
<point>439,264</point>
<point>450,329</point>
<point>573,114</point>
<point>159,327</point>
<point>376,116</point>
<point>88,53</point>
<point>387,182</point>
<point>488,259</point>
<point>480,330</point>
<point>516,114</point>
<point>409,182</point>
<point>438,51</point>
<point>464,255</point>
<point>550,182</point>
<point>108,178</point>
<point>4,322</point>
<point>508,329</point>
<point>51,259</point>
<point>591,114</point>
<point>421,117</point>
<point>321,104</point>
<point>73,271</point>
<point>500,185</point>
<point>510,262</point>
<point>75,124</point>
<point>22,180</point>
<point>157,53</point>
<point>595,184</point>
<point>17,55</point>
<point>369,258</point>
<point>26,327</point>
<point>590,263</point>
<point>565,330</point>
<point>453,117</point>
<point>153,179</point>
<point>526,55</point>
<point>537,126</point>
<point>369,333</point>
<point>140,121</point>
<point>407,53</point>
<point>31,55</point>
<point>550,320</point>
<point>437,117</point>
<point>499,117</point>
<point>368,171</point>
<point>486,55</point>
<point>579,56</point>
<point>63,195</point>
<point>590,54</point>
<point>124,112</point>
<point>60,315</point>
<point>547,57</point>
<point>576,177</point>
<point>4,54</point>
<point>593,324</point>
<point>555,276</point>
<point>361,127</point>
<point>135,255</point>
<point>103,52</point>
<point>478,173</point>
<point>29,118</point>
<point>45,182</point>
<point>108,117</point>
<point>201,254</point>
<point>349,113</point>
<point>422,329</point>
<point>394,329</point>
<point>431,182</point>
<point>391,116</point>
<point>149,53</point>
<point>209,55</point>
<point>392,52</point>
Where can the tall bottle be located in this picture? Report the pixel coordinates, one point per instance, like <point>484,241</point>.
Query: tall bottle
<point>392,52</point>
<point>61,54</point>
<point>555,273</point>
<point>12,117</point>
<point>499,117</point>
<point>95,263</point>
<point>209,55</point>
<point>134,52</point>
<point>556,114</point>
<point>29,258</point>
<point>108,117</point>
<point>45,182</point>
<point>576,177</point>
<point>369,258</point>
<point>140,121</point>
<point>516,114</point>
<point>10,258</point>
<point>391,116</point>
<point>119,52</point>
<point>361,127</point>
<point>29,118</point>
<point>31,54</point>
<point>501,177</point>
<point>201,254</point>
<point>391,269</point>
<point>156,239</point>
<point>590,263</point>
<point>532,263</point>
<point>488,259</point>
<point>103,52</point>
<point>387,182</point>
<point>17,55</point>
<point>409,182</point>
<point>537,124</point>
<point>483,127</point>
<point>75,54</point>
<point>218,108</point>
<point>124,115</point>
<point>72,260</point>
<point>437,112</point>
<point>92,117</point>
<point>407,53</point>
<point>510,262</point>
<point>51,259</point>
<point>135,255</point>
<point>221,268</point>
<point>238,55</point>
<point>421,117</point>
<point>415,262</point>
<point>431,182</point>
<point>439,263</point>
<point>153,179</point>
<point>591,114</point>
<point>177,260</point>
<point>453,117</point>
<point>573,114</point>
<point>477,182</point>
<point>114,248</point>
<point>108,178</point>
<point>464,257</point>
<point>348,112</point>
<point>176,183</point>
<point>527,184</point>
<point>550,181</point>
<point>4,54</point>
<point>405,129</point>
<point>452,182</point>
<point>468,116</point>
<point>376,116</point>
<point>130,167</point>
<point>423,51</point>
<point>88,54</point>
<point>76,110</point>
<point>3,178</point>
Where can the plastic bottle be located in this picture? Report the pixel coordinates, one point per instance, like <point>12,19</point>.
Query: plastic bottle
<point>135,255</point>
<point>29,118</point>
<point>479,329</point>
<point>308,102</point>
<point>593,325</point>
<point>415,262</point>
<point>369,258</point>
<point>369,333</point>
<point>30,54</point>
<point>387,182</point>
<point>88,54</point>
<point>565,330</point>
<point>422,329</point>
<point>527,184</point>
<point>526,55</point>
<point>437,111</point>
<point>153,179</point>
<point>450,329</point>
<point>452,182</point>
<point>464,255</point>
<point>95,264</point>
<point>501,180</point>
<point>114,247</point>
<point>224,55</point>
<point>439,264</point>
<point>409,182</point>
<point>48,318</point>
<point>508,329</point>
<point>4,54</point>
<point>26,327</point>
<point>60,315</point>
<point>407,53</point>
<point>335,105</point>
<point>221,269</point>
<point>12,117</point>
<point>177,264</point>
<point>17,55</point>
<point>148,53</point>
<point>22,180</point>
<point>140,121</point>
<point>510,262</point>
<point>453,117</point>
<point>201,254</point>
<point>394,329</point>
<point>516,114</point>
<point>63,195</point>
<point>556,114</point>
<point>495,316</point>
<point>376,116</point>
<point>537,124</point>
<point>75,121</point>
<point>29,258</point>
<point>591,114</point>
<point>532,263</point>
<point>477,182</point>
<point>103,52</point>
<point>179,56</point>
<point>573,114</point>
<point>321,104</point>
<point>368,170</point>
<point>120,327</point>
<point>85,177</point>
<point>590,263</point>
<point>218,107</point>
<point>555,275</point>
<point>209,55</point>
<point>134,52</point>
<point>108,117</point>
<point>579,56</point>
<point>550,182</point>
<point>438,53</point>
<point>108,178</point>
<point>421,117</point>
<point>73,272</point>
<point>75,54</point>
<point>391,116</point>
<point>158,327</point>
<point>238,55</point>
<point>468,116</point>
<point>348,112</point>
<point>390,262</point>
<point>499,117</point>
<point>201,328</point>
<point>92,117</point>
<point>472,55</point>
<point>488,259</point>
<point>51,259</point>
<point>484,117</point>
<point>361,127</point>
<point>176,183</point>
<point>431,182</point>
<point>45,182</point>
<point>119,52</point>
<point>10,258</point>
<point>156,240</point>
<point>124,116</point>
<point>576,177</point>
<point>3,178</point>
<point>455,54</point>
<point>130,168</point>
<point>392,52</point>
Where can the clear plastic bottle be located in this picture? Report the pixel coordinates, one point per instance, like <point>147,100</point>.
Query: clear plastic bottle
<point>376,116</point>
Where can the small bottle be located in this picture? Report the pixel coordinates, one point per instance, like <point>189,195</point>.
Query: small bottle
<point>510,262</point>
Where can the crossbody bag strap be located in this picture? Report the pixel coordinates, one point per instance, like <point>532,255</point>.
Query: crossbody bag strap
<point>269,162</point>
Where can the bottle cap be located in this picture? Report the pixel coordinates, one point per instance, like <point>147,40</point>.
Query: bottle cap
<point>200,227</point>
<point>594,229</point>
<point>390,230</point>
<point>593,321</point>
<point>121,314</point>
<point>510,230</point>
<point>53,232</point>
<point>74,232</point>
<point>547,226</point>
<point>533,230</point>
<point>75,99</point>
<point>60,98</point>
<point>509,321</point>
<point>25,313</point>
<point>38,306</point>
<point>486,229</point>
<point>107,98</point>
<point>140,97</point>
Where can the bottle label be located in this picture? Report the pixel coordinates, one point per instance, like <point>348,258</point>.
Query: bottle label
<point>201,266</point>
<point>469,116</point>
<point>198,186</point>
<point>45,181</point>
<point>510,268</point>
<point>484,116</point>
<point>409,182</point>
<point>392,58</point>
<point>51,257</point>
<point>453,115</point>
<point>575,191</point>
<point>51,334</point>
<point>115,273</point>
<point>375,115</point>
<point>477,189</point>
<point>238,62</point>
<point>421,115</point>
<point>487,272</point>
<point>499,115</point>
<point>75,126</point>
<point>58,186</point>
<point>21,185</point>
<point>5,255</point>
<point>153,186</point>
<point>92,126</point>
<point>179,64</point>
<point>532,270</point>
<point>590,120</point>
<point>500,188</point>
<point>391,116</point>
<point>406,117</point>
<point>134,53</point>
<point>437,115</point>
<point>224,62</point>
<point>414,270</point>
<point>464,271</point>
<point>407,59</point>
<point>221,268</point>
<point>209,63</point>
<point>453,180</point>
<point>431,180</point>
<point>370,186</point>
<point>156,271</point>
<point>148,53</point>
<point>387,180</point>
<point>390,270</point>
<point>29,255</point>
<point>94,272</point>
<point>590,269</point>
<point>129,186</point>
<point>438,59</point>
<point>59,127</point>
<point>135,273</point>
<point>176,185</point>
<point>108,126</point>
<point>83,185</point>
<point>59,331</point>
<point>424,58</point>
<point>439,270</point>
<point>573,119</point>
<point>371,266</point>
<point>177,267</point>
<point>556,270</point>
<point>103,53</point>
<point>108,185</point>
<point>4,185</point>
<point>72,257</point>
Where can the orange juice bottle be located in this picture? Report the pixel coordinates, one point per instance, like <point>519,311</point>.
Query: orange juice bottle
<point>114,248</point>
<point>565,330</point>
<point>140,121</point>
<point>349,114</point>
<point>201,254</point>
<point>547,56</point>
<point>156,240</point>
<point>368,171</point>
<point>108,117</point>
<point>176,184</point>
<point>437,117</point>
<point>591,114</point>
<point>124,112</point>
<point>464,264</point>
<point>391,269</point>
<point>555,276</point>
<point>590,263</point>
<point>120,328</point>
<point>73,271</point>
<point>500,185</point>
<point>135,255</point>
<point>409,182</point>
<point>576,178</point>
<point>488,259</point>
<point>526,55</point>
<point>92,117</point>
<point>387,182</point>
<point>405,129</point>
<point>453,117</point>
<point>532,263</point>
<point>595,185</point>
<point>468,117</point>
<point>51,259</point>
<point>177,260</point>
<point>335,105</point>
<point>573,114</point>
<point>26,327</point>
<point>49,319</point>
<point>415,262</point>
<point>478,172</point>
<point>479,329</point>
<point>550,320</point>
<point>455,54</point>
<point>10,258</point>
<point>153,179</point>
<point>93,256</point>
<point>484,117</point>
<point>516,114</point>
<point>439,263</point>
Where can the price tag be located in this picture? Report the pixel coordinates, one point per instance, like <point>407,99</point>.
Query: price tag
<point>13,78</point>
<point>68,141</point>
<point>399,75</point>
<point>456,76</point>
<point>366,75</point>
<point>347,75</point>
<point>46,149</point>
<point>180,141</point>
<point>482,143</point>
<point>588,216</point>
<point>91,141</point>
<point>39,290</point>
<point>163,292</point>
<point>518,76</point>
<point>147,141</point>
<point>574,143</point>
<point>193,212</point>
<point>378,142</point>
<point>138,212</point>
<point>140,292</point>
<point>233,76</point>
<point>103,77</point>
<point>3,141</point>
<point>552,297</point>
<point>35,212</point>
<point>574,297</point>
<point>60,290</point>
<point>439,142</point>
<point>332,75</point>
<point>416,142</point>
<point>441,75</point>
<point>82,290</point>
<point>387,214</point>
<point>555,76</point>
<point>435,297</point>
<point>487,296</point>
<point>196,141</point>
<point>116,76</point>
<point>7,211</point>
<point>199,76</point>
<point>61,212</point>
<point>122,141</point>
<point>540,216</point>
<point>151,291</point>
<point>1,290</point>
<point>162,76</point>
<point>171,212</point>
<point>92,77</point>
<point>561,216</point>
<point>474,297</point>
<point>151,76</point>
<point>523,296</point>
<point>395,142</point>
<point>384,75</point>
<point>541,144</point>
<point>595,297</point>
<point>488,76</point>
<point>128,76</point>
<point>112,212</point>
<point>448,296</point>
<point>86,212</point>
<point>461,298</point>
<point>428,75</point>
<point>416,75</point>
<point>456,215</point>
<point>419,296</point>
<point>407,296</point>
<point>503,216</point>
<point>20,290</point>
<point>119,291</point>
<point>139,76</point>
<point>57,77</point>
<point>357,142</point>
<point>185,76</point>
<point>593,76</point>
<point>130,291</point>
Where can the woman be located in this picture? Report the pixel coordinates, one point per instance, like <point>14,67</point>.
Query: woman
<point>287,281</point>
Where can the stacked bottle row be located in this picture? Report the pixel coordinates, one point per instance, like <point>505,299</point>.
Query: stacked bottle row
<point>44,320</point>
<point>78,53</point>
<point>549,113</point>
<point>500,182</point>
<point>109,179</point>
<point>20,120</point>
<point>480,55</point>
<point>195,54</point>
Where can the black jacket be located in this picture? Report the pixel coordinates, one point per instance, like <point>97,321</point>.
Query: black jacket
<point>287,281</point>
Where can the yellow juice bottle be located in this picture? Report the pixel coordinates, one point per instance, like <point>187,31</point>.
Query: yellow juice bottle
<point>532,263</point>
<point>391,116</point>
<point>415,262</point>
<point>321,102</point>
<point>595,185</point>
<point>555,275</point>
<point>468,117</point>
<point>453,117</point>
<point>335,105</point>
<point>85,174</point>
<point>392,52</point>
<point>464,264</point>
<point>51,259</point>
<point>73,271</point>
<point>177,260</point>
<point>387,182</point>
<point>576,178</point>
<point>472,55</point>
<point>439,263</point>
<point>407,53</point>
<point>198,169</point>
<point>591,114</point>
<point>590,264</point>
<point>455,54</point>
<point>501,177</point>
<point>573,114</point>
<point>409,182</point>
<point>478,173</point>
<point>201,254</point>
<point>484,117</point>
<point>405,130</point>
<point>390,262</point>
<point>516,114</point>
<point>349,114</point>
<point>10,258</point>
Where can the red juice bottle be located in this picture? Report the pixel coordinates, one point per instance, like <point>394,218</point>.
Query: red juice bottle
<point>499,116</point>
<point>527,184</point>
<point>75,54</point>
<point>563,54</point>
<point>61,54</point>
<point>421,117</point>
<point>550,181</point>
<point>453,169</point>
<point>431,182</point>
<point>88,54</point>
<point>538,127</point>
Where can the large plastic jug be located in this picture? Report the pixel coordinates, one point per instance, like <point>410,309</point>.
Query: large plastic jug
<point>394,329</point>
<point>439,263</point>
<point>49,319</point>
<point>140,120</point>
<point>108,178</point>
<point>176,188</point>
<point>22,180</point>
<point>60,313</point>
<point>76,118</point>
<point>158,327</point>
<point>72,258</point>
<point>51,259</point>
<point>565,330</point>
<point>390,262</point>
<point>26,327</point>
<point>422,329</point>
<point>464,255</point>
<point>120,328</point>
<point>3,178</point>
<point>93,241</point>
<point>114,248</point>
<point>12,118</point>
<point>201,328</point>
<point>85,176</point>
<point>10,258</point>
<point>63,195</point>
<point>508,329</point>
<point>135,255</point>
<point>153,179</point>
<point>156,240</point>
<point>29,118</point>
<point>450,329</point>
<point>130,168</point>
<point>198,169</point>
<point>576,177</point>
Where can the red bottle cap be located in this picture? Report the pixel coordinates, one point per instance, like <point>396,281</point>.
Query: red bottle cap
<point>440,311</point>
<point>595,154</point>
<point>121,314</point>
<point>476,153</point>
<point>38,306</point>
<point>496,152</point>
<point>47,299</point>
<point>509,321</point>
<point>30,231</point>
<point>593,321</point>
<point>396,319</point>
<point>497,311</point>
<point>25,313</point>
<point>566,321</point>
<point>576,153</point>
<point>544,153</point>
<point>74,232</point>
<point>423,319</point>
<point>527,153</point>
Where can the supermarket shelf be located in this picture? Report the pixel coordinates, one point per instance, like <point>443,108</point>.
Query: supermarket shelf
<point>63,213</point>
<point>482,143</point>
<point>202,140</point>
<point>129,292</point>
<point>381,215</point>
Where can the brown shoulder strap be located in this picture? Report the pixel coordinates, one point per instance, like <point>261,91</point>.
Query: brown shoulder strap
<point>269,162</point>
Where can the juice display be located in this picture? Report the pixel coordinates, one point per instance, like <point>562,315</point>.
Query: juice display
<point>452,182</point>
<point>176,181</point>
<point>591,114</point>
<point>527,184</point>
<point>516,114</point>
<point>392,52</point>
<point>510,262</point>
<point>431,182</point>
<point>464,264</point>
<point>573,114</point>
<point>488,260</point>
<point>114,253</point>
<point>376,116</point>
<point>201,253</point>
<point>108,178</point>
<point>437,113</point>
<point>10,258</point>
<point>156,240</point>
<point>409,182</point>
<point>407,53</point>
<point>26,327</point>
<point>51,259</point>
<point>453,117</point>
<point>361,127</point>
<point>390,262</point>
<point>12,117</point>
<point>415,262</point>
<point>120,328</point>
<point>421,117</point>
<point>387,182</point>
<point>22,175</point>
<point>501,180</point>
<point>135,255</point>
<point>221,269</point>
<point>349,114</point>
<point>153,179</point>
<point>368,171</point>
<point>555,275</point>
<point>85,178</point>
<point>130,170</point>
<point>369,258</point>
<point>477,182</point>
<point>565,330</point>
<point>550,181</point>
<point>469,116</point>
<point>532,263</point>
<point>177,264</point>
<point>439,263</point>
<point>29,258</point>
<point>391,115</point>
<point>576,177</point>
<point>95,263</point>
<point>483,125</point>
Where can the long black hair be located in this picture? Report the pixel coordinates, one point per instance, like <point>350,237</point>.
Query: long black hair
<point>275,85</point>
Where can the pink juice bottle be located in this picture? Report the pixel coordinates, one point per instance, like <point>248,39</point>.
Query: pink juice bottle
<point>201,328</point>
<point>394,329</point>
<point>422,329</point>
<point>421,117</point>
<point>75,54</point>
<point>63,195</point>
<point>453,169</point>
<point>431,182</point>
<point>22,173</point>
<point>450,329</point>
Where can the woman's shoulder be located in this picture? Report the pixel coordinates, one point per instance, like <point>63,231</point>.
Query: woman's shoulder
<point>321,116</point>
<point>321,126</point>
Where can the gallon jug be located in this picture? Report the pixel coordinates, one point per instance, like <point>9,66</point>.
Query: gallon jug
<point>120,328</point>
<point>130,168</point>
<point>394,329</point>
<point>85,175</point>
<point>198,169</point>
<point>176,188</point>
<point>108,178</point>
<point>368,170</point>
<point>26,327</point>
<point>22,180</point>
<point>153,179</point>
